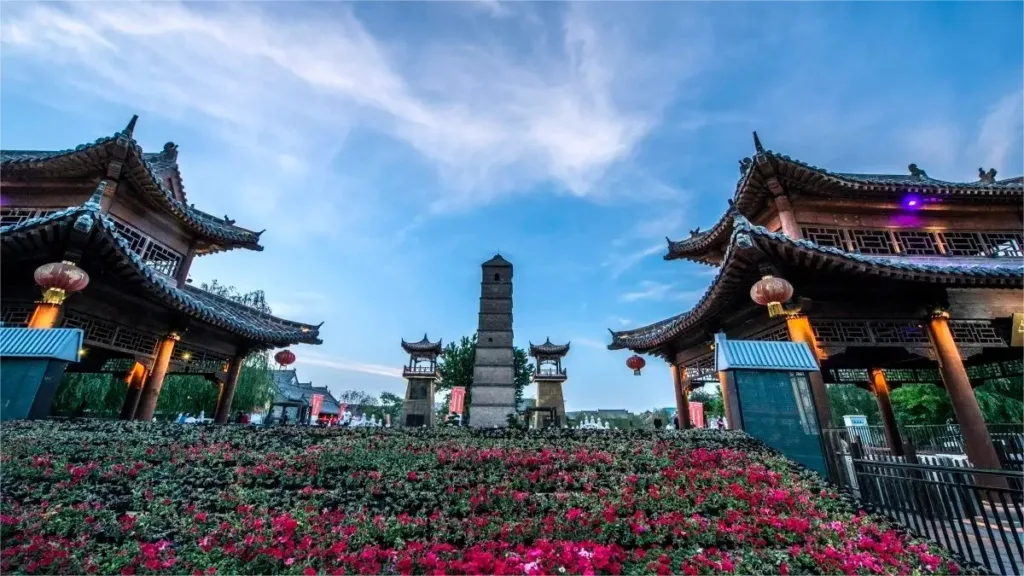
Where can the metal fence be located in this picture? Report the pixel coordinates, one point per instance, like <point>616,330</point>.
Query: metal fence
<point>975,512</point>
<point>941,439</point>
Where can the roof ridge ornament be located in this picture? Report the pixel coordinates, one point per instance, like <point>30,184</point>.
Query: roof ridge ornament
<point>130,128</point>
<point>916,172</point>
<point>987,177</point>
<point>757,144</point>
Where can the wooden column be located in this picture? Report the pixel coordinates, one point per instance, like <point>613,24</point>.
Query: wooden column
<point>800,330</point>
<point>880,388</point>
<point>786,217</point>
<point>977,442</point>
<point>227,392</point>
<point>682,397</point>
<point>727,402</point>
<point>136,379</point>
<point>45,315</point>
<point>155,381</point>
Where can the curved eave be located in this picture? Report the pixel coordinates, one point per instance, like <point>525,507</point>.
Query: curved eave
<point>423,346</point>
<point>734,278</point>
<point>696,247</point>
<point>752,185</point>
<point>549,349</point>
<point>91,158</point>
<point>264,329</point>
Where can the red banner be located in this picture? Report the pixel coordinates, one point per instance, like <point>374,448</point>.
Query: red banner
<point>315,403</point>
<point>697,414</point>
<point>457,401</point>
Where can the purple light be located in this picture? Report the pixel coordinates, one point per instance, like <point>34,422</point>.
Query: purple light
<point>911,202</point>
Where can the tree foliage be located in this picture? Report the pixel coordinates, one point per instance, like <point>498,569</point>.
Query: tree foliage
<point>927,404</point>
<point>713,406</point>
<point>104,394</point>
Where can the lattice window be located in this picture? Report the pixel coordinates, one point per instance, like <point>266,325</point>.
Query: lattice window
<point>900,375</point>
<point>963,243</point>
<point>700,368</point>
<point>1003,244</point>
<point>11,216</point>
<point>778,333</point>
<point>850,375</point>
<point>842,332</point>
<point>871,241</point>
<point>157,256</point>
<point>14,315</point>
<point>974,332</point>
<point>984,371</point>
<point>898,332</point>
<point>913,243</point>
<point>825,237</point>
<point>104,333</point>
<point>189,359</point>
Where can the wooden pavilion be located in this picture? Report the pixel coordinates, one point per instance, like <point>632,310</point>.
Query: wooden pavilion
<point>894,279</point>
<point>121,215</point>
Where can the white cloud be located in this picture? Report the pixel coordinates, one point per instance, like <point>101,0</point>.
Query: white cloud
<point>620,263</point>
<point>1000,132</point>
<point>350,366</point>
<point>660,292</point>
<point>621,321</point>
<point>285,85</point>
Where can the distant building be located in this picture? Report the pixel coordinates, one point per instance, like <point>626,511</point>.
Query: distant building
<point>296,398</point>
<point>525,404</point>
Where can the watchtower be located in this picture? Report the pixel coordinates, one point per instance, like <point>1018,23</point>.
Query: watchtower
<point>494,392</point>
<point>420,374</point>
<point>549,377</point>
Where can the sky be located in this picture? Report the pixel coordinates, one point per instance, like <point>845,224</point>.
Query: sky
<point>391,148</point>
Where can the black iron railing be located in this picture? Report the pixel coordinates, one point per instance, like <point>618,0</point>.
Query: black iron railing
<point>975,512</point>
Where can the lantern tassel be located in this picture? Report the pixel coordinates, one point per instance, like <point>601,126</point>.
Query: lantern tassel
<point>775,309</point>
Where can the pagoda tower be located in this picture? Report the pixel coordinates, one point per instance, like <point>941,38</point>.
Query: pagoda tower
<point>494,391</point>
<point>420,374</point>
<point>549,377</point>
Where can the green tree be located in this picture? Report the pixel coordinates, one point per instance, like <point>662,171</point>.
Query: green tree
<point>713,406</point>
<point>455,366</point>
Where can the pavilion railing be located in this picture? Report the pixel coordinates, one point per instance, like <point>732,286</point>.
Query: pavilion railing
<point>975,512</point>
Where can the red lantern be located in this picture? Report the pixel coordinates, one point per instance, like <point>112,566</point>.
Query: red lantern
<point>635,363</point>
<point>284,357</point>
<point>59,280</point>
<point>771,292</point>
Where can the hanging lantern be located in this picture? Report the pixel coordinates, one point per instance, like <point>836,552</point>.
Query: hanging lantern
<point>59,280</point>
<point>636,364</point>
<point>284,357</point>
<point>771,292</point>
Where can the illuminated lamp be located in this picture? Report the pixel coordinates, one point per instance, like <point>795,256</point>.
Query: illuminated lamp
<point>59,280</point>
<point>912,202</point>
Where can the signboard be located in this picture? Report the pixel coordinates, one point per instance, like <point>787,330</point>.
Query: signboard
<point>697,415</point>
<point>857,425</point>
<point>315,403</point>
<point>457,401</point>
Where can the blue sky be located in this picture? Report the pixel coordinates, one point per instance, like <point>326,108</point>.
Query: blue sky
<point>390,148</point>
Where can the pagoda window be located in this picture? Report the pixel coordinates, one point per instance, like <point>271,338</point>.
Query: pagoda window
<point>916,243</point>
<point>825,237</point>
<point>12,216</point>
<point>155,255</point>
<point>874,242</point>
<point>996,244</point>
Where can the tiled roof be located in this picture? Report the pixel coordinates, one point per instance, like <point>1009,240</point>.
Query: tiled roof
<point>288,389</point>
<point>498,261</point>
<point>199,304</point>
<point>54,343</point>
<point>763,355</point>
<point>548,349</point>
<point>752,188</point>
<point>424,345</point>
<point>1002,272</point>
<point>147,171</point>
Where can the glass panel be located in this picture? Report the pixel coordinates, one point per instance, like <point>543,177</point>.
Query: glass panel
<point>778,409</point>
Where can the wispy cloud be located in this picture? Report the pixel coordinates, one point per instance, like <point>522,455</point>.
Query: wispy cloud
<point>661,292</point>
<point>1000,132</point>
<point>620,263</point>
<point>621,321</point>
<point>350,365</point>
<point>490,122</point>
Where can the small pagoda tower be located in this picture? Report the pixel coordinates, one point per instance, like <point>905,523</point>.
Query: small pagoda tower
<point>420,374</point>
<point>549,377</point>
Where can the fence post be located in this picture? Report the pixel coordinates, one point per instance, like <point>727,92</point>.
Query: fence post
<point>918,487</point>
<point>864,489</point>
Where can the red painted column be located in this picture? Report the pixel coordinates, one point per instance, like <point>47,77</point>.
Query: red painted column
<point>151,390</point>
<point>136,379</point>
<point>977,441</point>
<point>227,393</point>
<point>681,387</point>
<point>880,388</point>
<point>45,315</point>
<point>800,330</point>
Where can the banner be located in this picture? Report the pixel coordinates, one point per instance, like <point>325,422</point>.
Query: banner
<point>697,414</point>
<point>315,403</point>
<point>456,402</point>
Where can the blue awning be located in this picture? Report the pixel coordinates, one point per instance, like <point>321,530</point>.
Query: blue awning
<point>763,355</point>
<point>56,343</point>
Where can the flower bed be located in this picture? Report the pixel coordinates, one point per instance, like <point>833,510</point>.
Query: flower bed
<point>134,498</point>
